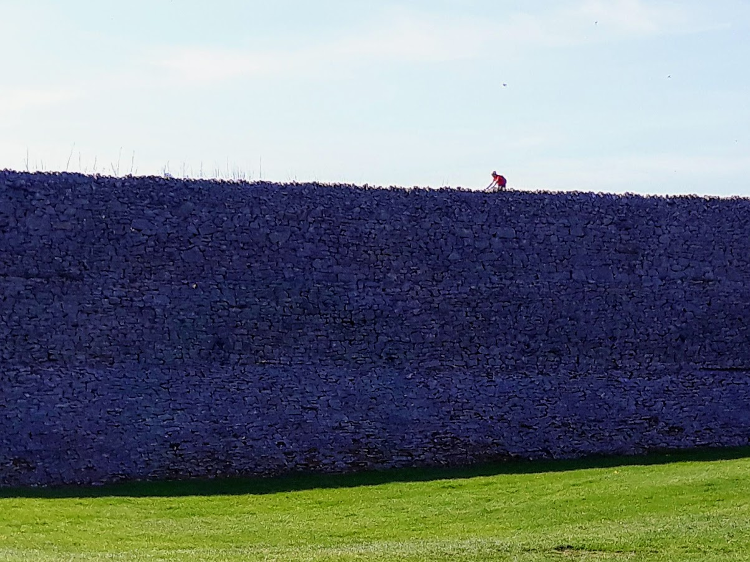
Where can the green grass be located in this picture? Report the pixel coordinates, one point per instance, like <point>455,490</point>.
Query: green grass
<point>686,506</point>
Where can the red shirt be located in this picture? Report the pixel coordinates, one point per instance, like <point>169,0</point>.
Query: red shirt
<point>500,181</point>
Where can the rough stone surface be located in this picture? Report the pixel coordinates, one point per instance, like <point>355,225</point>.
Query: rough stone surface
<point>154,328</point>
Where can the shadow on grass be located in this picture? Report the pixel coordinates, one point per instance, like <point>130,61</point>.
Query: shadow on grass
<point>300,482</point>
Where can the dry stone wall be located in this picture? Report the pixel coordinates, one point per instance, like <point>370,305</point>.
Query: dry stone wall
<point>160,328</point>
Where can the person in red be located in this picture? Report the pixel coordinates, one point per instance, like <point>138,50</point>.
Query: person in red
<point>498,183</point>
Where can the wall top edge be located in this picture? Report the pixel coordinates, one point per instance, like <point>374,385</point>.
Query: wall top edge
<point>32,180</point>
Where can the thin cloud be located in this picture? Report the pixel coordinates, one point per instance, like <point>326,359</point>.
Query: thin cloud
<point>22,99</point>
<point>407,39</point>
<point>635,17</point>
<point>206,64</point>
<point>405,36</point>
<point>602,21</point>
<point>415,38</point>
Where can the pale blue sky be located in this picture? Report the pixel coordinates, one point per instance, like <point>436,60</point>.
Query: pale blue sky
<point>647,96</point>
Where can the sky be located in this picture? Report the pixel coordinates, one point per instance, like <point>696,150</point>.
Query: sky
<point>642,96</point>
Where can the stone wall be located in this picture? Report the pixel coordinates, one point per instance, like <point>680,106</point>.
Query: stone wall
<point>154,328</point>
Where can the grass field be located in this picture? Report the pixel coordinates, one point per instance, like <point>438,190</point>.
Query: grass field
<point>686,506</point>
